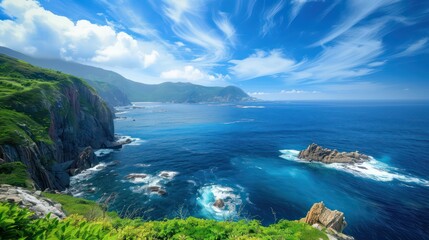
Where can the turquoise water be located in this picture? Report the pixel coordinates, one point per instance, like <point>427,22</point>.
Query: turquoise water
<point>246,155</point>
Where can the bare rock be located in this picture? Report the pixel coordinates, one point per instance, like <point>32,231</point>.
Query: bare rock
<point>219,203</point>
<point>331,219</point>
<point>136,175</point>
<point>317,153</point>
<point>32,200</point>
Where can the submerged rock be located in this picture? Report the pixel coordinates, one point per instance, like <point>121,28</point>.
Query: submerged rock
<point>219,203</point>
<point>317,153</point>
<point>156,189</point>
<point>333,221</point>
<point>136,175</point>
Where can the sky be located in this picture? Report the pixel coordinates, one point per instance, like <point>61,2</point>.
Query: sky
<point>273,50</point>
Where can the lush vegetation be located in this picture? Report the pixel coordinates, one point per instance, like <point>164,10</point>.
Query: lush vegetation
<point>15,173</point>
<point>16,223</point>
<point>26,95</point>
<point>86,208</point>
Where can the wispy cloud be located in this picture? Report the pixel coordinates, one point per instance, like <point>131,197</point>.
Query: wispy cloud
<point>188,23</point>
<point>262,64</point>
<point>223,23</point>
<point>357,10</point>
<point>269,16</point>
<point>414,48</point>
<point>249,9</point>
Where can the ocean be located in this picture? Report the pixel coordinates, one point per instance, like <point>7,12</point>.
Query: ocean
<point>247,155</point>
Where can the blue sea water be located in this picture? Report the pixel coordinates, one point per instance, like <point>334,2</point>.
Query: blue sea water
<point>246,155</point>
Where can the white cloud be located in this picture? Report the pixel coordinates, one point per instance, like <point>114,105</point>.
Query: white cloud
<point>34,30</point>
<point>269,16</point>
<point>357,10</point>
<point>414,48</point>
<point>224,24</point>
<point>262,64</point>
<point>192,74</point>
<point>179,44</point>
<point>188,23</point>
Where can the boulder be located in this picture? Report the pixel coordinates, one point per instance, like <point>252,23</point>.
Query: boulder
<point>331,219</point>
<point>317,153</point>
<point>219,203</point>
<point>33,200</point>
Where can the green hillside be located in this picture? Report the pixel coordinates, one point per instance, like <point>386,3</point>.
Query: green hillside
<point>118,86</point>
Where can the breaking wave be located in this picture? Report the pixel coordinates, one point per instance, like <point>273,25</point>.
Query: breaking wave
<point>372,169</point>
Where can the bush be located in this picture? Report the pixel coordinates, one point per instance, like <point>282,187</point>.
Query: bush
<point>16,223</point>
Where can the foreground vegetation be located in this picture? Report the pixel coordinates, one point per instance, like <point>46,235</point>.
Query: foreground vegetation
<point>16,223</point>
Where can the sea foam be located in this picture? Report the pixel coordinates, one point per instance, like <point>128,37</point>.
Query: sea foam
<point>372,169</point>
<point>209,194</point>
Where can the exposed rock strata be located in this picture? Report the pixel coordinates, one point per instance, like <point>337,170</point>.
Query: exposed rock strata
<point>322,217</point>
<point>32,200</point>
<point>77,118</point>
<point>317,153</point>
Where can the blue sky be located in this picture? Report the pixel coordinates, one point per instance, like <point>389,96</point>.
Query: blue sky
<point>274,50</point>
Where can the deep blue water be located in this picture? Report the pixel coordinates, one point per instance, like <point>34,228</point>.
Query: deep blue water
<point>231,152</point>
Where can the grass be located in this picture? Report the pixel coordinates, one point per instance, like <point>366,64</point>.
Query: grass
<point>16,223</point>
<point>18,128</point>
<point>27,96</point>
<point>72,205</point>
<point>15,173</point>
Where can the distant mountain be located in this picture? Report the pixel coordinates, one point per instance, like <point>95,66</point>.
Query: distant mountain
<point>116,89</point>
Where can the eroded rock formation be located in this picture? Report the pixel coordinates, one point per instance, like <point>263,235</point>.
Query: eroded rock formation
<point>317,153</point>
<point>322,217</point>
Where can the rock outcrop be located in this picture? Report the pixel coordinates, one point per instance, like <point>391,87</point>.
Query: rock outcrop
<point>322,217</point>
<point>32,200</point>
<point>219,203</point>
<point>69,114</point>
<point>317,153</point>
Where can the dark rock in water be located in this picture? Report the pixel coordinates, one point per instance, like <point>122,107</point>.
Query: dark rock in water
<point>136,175</point>
<point>113,163</point>
<point>219,203</point>
<point>84,161</point>
<point>156,189</point>
<point>330,221</point>
<point>315,152</point>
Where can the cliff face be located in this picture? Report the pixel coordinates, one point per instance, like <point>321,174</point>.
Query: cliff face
<point>49,118</point>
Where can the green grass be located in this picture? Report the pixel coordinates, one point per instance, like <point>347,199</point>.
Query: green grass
<point>27,96</point>
<point>15,173</point>
<point>16,223</point>
<point>18,128</point>
<point>79,206</point>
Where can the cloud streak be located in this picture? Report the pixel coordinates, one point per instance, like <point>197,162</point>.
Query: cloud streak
<point>269,16</point>
<point>357,10</point>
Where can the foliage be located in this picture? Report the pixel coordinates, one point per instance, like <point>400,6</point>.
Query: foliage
<point>15,174</point>
<point>16,223</point>
<point>79,206</point>
<point>27,95</point>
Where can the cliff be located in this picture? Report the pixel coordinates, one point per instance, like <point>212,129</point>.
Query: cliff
<point>47,118</point>
<point>317,153</point>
